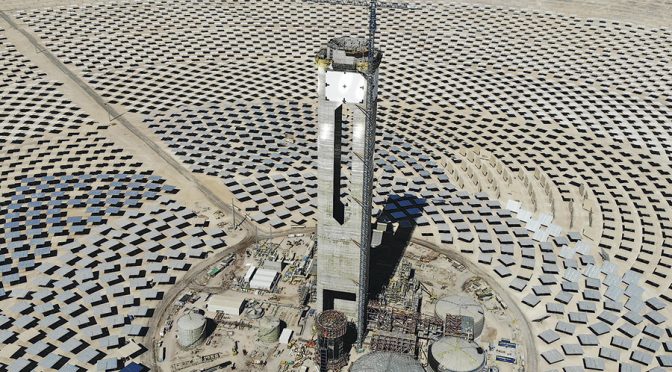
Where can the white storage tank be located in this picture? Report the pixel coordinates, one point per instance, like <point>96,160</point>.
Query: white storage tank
<point>190,328</point>
<point>379,361</point>
<point>454,354</point>
<point>462,306</point>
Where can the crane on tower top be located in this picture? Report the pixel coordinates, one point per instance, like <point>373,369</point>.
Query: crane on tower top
<point>373,5</point>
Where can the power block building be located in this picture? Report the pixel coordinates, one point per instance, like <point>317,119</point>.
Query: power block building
<point>342,91</point>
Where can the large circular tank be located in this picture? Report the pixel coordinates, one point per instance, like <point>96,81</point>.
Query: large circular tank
<point>464,306</point>
<point>386,362</point>
<point>454,354</point>
<point>269,330</point>
<point>190,328</point>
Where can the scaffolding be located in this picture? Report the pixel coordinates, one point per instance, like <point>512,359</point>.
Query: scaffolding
<point>393,342</point>
<point>403,289</point>
<point>429,327</point>
<point>388,318</point>
<point>459,326</point>
<point>391,319</point>
<point>331,328</point>
<point>308,292</point>
<point>394,318</point>
<point>397,329</point>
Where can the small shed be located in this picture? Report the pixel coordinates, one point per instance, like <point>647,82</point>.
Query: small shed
<point>286,335</point>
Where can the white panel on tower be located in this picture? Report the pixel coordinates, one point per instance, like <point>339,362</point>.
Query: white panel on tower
<point>345,87</point>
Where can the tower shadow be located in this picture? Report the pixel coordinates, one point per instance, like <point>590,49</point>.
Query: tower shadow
<point>400,214</point>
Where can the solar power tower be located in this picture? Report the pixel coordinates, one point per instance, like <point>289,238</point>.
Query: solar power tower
<point>347,87</point>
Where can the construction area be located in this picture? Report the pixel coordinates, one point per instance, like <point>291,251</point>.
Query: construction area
<point>226,319</point>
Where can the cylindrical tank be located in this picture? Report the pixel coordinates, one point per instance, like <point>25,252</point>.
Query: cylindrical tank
<point>454,354</point>
<point>331,328</point>
<point>190,328</point>
<point>464,306</point>
<point>269,330</point>
<point>380,361</point>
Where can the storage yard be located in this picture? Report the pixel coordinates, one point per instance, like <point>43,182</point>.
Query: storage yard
<point>175,194</point>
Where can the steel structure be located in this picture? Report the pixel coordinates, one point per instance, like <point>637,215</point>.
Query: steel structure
<point>459,326</point>
<point>369,142</point>
<point>331,328</point>
<point>394,319</point>
<point>394,342</point>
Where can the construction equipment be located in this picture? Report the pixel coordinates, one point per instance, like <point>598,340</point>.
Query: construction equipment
<point>430,293</point>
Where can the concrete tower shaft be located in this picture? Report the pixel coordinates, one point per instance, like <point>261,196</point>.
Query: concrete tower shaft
<point>342,86</point>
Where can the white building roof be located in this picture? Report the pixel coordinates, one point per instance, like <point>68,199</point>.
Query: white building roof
<point>249,273</point>
<point>264,279</point>
<point>286,335</point>
<point>229,303</point>
<point>273,265</point>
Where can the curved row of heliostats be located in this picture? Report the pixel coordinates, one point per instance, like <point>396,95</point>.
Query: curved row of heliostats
<point>90,239</point>
<point>596,303</point>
